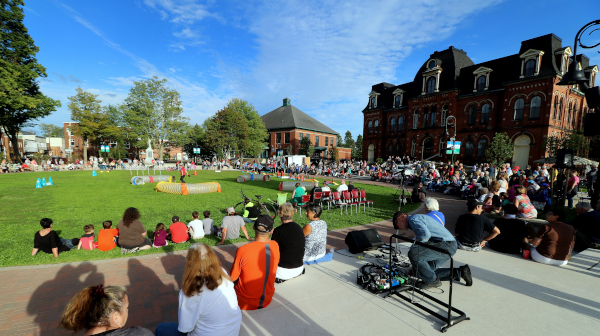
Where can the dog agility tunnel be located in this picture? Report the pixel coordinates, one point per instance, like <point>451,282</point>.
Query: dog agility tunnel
<point>291,185</point>
<point>139,180</point>
<point>253,177</point>
<point>188,188</point>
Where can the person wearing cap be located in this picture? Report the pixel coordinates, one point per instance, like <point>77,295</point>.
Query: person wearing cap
<point>291,240</point>
<point>254,267</point>
<point>178,231</point>
<point>231,225</point>
<point>424,261</point>
<point>471,228</point>
<point>590,178</point>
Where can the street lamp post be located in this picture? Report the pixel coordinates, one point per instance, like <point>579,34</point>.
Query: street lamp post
<point>451,121</point>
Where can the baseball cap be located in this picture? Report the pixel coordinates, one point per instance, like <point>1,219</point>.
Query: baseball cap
<point>230,210</point>
<point>473,203</point>
<point>263,223</point>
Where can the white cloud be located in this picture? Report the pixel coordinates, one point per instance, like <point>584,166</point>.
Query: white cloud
<point>179,11</point>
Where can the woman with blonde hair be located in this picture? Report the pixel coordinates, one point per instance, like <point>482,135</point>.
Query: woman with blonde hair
<point>522,202</point>
<point>207,301</point>
<point>102,311</point>
<point>291,240</point>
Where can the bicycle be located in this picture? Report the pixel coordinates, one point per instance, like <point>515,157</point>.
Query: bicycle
<point>269,209</point>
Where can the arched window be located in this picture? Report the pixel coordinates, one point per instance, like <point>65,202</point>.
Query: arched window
<point>416,119</point>
<point>370,127</point>
<point>401,123</point>
<point>519,104</point>
<point>426,117</point>
<point>529,68</point>
<point>481,83</point>
<point>559,109</point>
<point>485,113</point>
<point>534,107</point>
<point>431,85</point>
<point>433,115</point>
<point>398,100</point>
<point>575,115</point>
<point>391,150</point>
<point>393,125</point>
<point>373,101</point>
<point>481,147</point>
<point>376,126</point>
<point>555,109</point>
<point>399,150</point>
<point>431,64</point>
<point>472,115</point>
<point>427,148</point>
<point>413,147</point>
<point>469,149</point>
<point>444,114</point>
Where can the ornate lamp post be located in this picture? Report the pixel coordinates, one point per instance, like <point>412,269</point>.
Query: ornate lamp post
<point>575,75</point>
<point>451,121</point>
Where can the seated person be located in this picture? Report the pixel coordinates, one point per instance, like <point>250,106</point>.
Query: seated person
<point>315,234</point>
<point>315,189</point>
<point>254,267</point>
<point>471,228</point>
<point>196,227</point>
<point>522,202</point>
<point>47,240</point>
<point>351,186</point>
<point>290,238</point>
<point>107,237</point>
<point>342,187</point>
<point>207,223</point>
<point>433,209</point>
<point>251,211</point>
<point>87,240</point>
<point>554,241</point>
<point>160,236</point>
<point>178,231</point>
<point>587,226</point>
<point>231,225</point>
<point>326,187</point>
<point>514,233</point>
<point>297,194</point>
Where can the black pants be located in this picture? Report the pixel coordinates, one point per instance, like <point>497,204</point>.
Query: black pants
<point>181,178</point>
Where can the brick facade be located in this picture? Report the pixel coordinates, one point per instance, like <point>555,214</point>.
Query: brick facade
<point>517,94</point>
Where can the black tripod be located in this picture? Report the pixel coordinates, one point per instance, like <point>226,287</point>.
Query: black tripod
<point>400,198</point>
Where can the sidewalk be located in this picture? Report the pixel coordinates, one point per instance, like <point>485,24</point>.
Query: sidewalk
<point>510,295</point>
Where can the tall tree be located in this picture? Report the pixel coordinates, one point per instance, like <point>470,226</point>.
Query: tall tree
<point>574,141</point>
<point>340,141</point>
<point>153,112</point>
<point>499,150</point>
<point>306,147</point>
<point>49,130</point>
<point>348,141</point>
<point>21,101</point>
<point>196,139</point>
<point>358,146</point>
<point>257,132</point>
<point>226,132</point>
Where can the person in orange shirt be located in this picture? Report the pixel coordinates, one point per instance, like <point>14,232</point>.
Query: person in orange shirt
<point>107,237</point>
<point>255,266</point>
<point>178,231</point>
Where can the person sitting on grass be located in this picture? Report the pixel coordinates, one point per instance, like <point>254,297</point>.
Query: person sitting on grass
<point>208,303</point>
<point>48,241</point>
<point>178,231</point>
<point>195,227</point>
<point>251,211</point>
<point>132,233</point>
<point>255,266</point>
<point>554,241</point>
<point>100,310</point>
<point>315,234</point>
<point>107,237</point>
<point>297,194</point>
<point>207,224</point>
<point>231,225</point>
<point>290,238</point>
<point>160,236</point>
<point>87,240</point>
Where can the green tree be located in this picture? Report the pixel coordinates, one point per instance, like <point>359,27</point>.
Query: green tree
<point>21,101</point>
<point>348,141</point>
<point>357,152</point>
<point>153,112</point>
<point>226,132</point>
<point>499,150</point>
<point>49,130</point>
<point>333,153</point>
<point>575,141</point>
<point>196,139</point>
<point>257,132</point>
<point>340,141</point>
<point>86,110</point>
<point>306,147</point>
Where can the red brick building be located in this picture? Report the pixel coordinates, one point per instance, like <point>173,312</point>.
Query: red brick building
<point>517,94</point>
<point>287,125</point>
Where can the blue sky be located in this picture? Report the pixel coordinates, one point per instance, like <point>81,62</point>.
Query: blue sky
<point>324,55</point>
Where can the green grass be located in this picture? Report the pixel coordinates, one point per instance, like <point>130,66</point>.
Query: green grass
<point>77,199</point>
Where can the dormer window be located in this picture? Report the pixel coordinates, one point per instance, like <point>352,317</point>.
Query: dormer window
<point>431,77</point>
<point>482,79</point>
<point>373,99</point>
<point>590,73</point>
<point>431,64</point>
<point>563,55</point>
<point>431,85</point>
<point>480,83</point>
<point>373,102</point>
<point>398,97</point>
<point>529,68</point>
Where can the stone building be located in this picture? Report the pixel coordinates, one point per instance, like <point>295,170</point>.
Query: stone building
<point>517,94</point>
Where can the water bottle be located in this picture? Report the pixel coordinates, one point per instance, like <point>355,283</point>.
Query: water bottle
<point>331,250</point>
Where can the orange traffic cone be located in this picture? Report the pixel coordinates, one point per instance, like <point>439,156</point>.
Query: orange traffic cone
<point>195,173</point>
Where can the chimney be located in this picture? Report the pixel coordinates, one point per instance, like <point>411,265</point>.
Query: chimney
<point>286,102</point>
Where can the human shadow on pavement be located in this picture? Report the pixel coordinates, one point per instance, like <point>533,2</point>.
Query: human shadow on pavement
<point>50,299</point>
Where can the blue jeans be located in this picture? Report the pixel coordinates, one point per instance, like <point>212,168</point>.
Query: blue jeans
<point>168,329</point>
<point>425,262</point>
<point>570,202</point>
<point>247,220</point>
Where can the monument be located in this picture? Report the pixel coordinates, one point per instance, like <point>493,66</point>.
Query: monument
<point>149,154</point>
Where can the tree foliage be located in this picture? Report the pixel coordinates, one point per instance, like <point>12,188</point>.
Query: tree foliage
<point>348,141</point>
<point>499,150</point>
<point>21,101</point>
<point>153,112</point>
<point>226,132</point>
<point>333,153</point>
<point>49,130</point>
<point>574,141</point>
<point>340,141</point>
<point>306,147</point>
<point>357,152</point>
<point>257,132</point>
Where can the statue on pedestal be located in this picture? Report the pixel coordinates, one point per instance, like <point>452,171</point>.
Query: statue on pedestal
<point>149,154</point>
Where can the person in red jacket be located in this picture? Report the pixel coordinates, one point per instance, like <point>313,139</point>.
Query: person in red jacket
<point>182,173</point>
<point>178,231</point>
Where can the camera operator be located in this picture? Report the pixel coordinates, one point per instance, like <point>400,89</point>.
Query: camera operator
<point>425,262</point>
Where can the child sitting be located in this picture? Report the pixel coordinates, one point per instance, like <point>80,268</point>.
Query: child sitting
<point>160,236</point>
<point>87,240</point>
<point>107,237</point>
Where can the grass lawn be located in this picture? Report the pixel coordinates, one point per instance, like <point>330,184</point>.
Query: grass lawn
<point>77,199</point>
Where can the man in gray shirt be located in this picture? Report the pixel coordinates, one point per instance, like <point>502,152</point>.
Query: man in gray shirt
<point>230,228</point>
